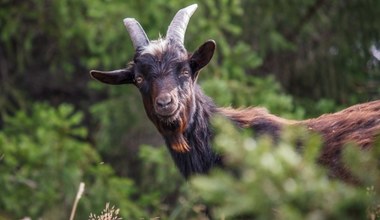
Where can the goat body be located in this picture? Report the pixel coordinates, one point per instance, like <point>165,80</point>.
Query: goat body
<point>358,124</point>
<point>166,76</point>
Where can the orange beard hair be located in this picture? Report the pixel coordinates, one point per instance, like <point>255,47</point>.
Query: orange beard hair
<point>179,144</point>
<point>176,139</point>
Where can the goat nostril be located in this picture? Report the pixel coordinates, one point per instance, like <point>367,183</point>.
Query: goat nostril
<point>164,100</point>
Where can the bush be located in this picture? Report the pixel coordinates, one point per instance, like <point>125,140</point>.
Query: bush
<point>266,182</point>
<point>44,156</point>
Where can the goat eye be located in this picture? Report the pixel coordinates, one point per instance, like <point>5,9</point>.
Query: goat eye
<point>139,80</point>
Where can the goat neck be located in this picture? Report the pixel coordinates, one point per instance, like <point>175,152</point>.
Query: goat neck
<point>200,157</point>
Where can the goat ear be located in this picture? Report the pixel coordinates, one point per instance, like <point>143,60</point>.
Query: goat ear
<point>202,56</point>
<point>115,77</point>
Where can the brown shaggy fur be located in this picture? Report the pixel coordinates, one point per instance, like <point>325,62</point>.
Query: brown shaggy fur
<point>358,124</point>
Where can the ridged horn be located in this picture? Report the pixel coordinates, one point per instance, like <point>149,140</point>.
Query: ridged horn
<point>177,27</point>
<point>136,32</point>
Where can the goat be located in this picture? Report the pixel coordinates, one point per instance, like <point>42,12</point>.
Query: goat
<point>166,76</point>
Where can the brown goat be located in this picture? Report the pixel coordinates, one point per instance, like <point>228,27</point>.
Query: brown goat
<point>166,75</point>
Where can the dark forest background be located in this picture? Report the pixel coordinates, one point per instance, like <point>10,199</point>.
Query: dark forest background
<point>59,127</point>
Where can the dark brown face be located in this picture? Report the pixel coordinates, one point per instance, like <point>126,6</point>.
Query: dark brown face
<point>166,85</point>
<point>165,75</point>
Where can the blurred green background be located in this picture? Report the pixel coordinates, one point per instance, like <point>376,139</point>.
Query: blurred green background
<point>58,127</point>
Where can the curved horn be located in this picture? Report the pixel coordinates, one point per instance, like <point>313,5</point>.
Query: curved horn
<point>177,27</point>
<point>136,32</point>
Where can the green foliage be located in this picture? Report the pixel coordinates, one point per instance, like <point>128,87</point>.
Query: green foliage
<point>37,148</point>
<point>327,42</point>
<point>368,159</point>
<point>252,92</point>
<point>266,182</point>
<point>44,157</point>
<point>159,181</point>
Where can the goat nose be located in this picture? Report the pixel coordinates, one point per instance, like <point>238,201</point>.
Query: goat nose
<point>163,100</point>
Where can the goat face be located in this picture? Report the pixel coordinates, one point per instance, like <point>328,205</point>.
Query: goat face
<point>165,74</point>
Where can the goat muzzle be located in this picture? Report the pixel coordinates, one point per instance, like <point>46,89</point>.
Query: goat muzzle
<point>165,105</point>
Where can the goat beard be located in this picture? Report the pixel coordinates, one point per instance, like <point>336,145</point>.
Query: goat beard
<point>173,133</point>
<point>178,143</point>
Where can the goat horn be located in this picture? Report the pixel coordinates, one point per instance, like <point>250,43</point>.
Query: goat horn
<point>136,32</point>
<point>177,27</point>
